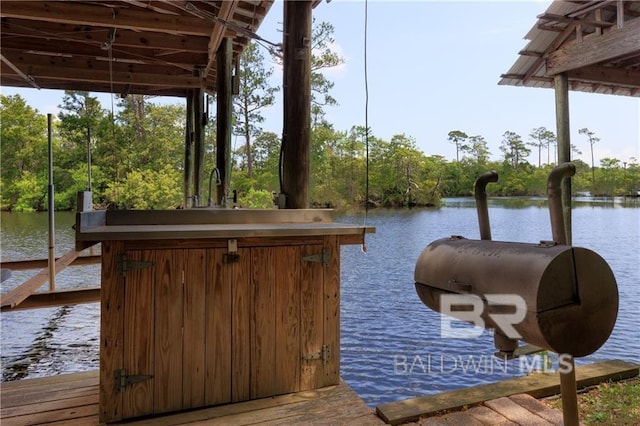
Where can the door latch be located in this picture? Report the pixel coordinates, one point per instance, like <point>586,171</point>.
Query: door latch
<point>324,354</point>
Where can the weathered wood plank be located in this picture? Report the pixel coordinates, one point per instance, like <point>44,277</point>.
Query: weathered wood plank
<point>139,318</point>
<point>57,298</point>
<point>168,331</point>
<point>111,331</point>
<point>311,319</point>
<point>596,49</point>
<point>352,239</point>
<point>88,377</point>
<point>218,329</point>
<point>512,411</point>
<point>24,290</point>
<point>23,265</point>
<point>242,305</point>
<point>38,395</point>
<point>91,14</point>
<point>263,339</point>
<point>194,348</point>
<point>332,311</point>
<point>536,385</point>
<point>279,408</point>
<point>78,421</point>
<point>58,404</point>
<point>287,320</point>
<point>47,417</point>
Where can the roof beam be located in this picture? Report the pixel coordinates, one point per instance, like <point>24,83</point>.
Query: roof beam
<point>572,20</point>
<point>226,12</point>
<point>19,72</point>
<point>560,38</point>
<point>66,68</point>
<point>595,49</point>
<point>17,46</point>
<point>91,35</point>
<point>99,15</point>
<point>607,75</point>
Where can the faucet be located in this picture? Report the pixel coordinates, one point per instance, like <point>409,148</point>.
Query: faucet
<point>218,183</point>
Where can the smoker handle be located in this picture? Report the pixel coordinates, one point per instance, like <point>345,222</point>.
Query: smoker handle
<point>481,202</point>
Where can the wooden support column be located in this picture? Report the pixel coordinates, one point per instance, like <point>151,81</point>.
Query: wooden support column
<point>563,132</point>
<point>198,144</point>
<point>224,115</point>
<point>188,154</point>
<point>296,137</point>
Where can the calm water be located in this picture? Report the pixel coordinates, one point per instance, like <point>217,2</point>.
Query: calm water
<point>390,344</point>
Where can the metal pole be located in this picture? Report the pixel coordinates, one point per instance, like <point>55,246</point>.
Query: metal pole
<point>52,242</point>
<point>89,158</point>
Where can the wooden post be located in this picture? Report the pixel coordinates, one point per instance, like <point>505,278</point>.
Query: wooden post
<point>224,115</point>
<point>564,144</point>
<point>568,387</point>
<point>296,137</point>
<point>198,143</point>
<point>186,184</point>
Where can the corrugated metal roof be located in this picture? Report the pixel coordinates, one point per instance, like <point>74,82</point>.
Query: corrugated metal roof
<point>596,42</point>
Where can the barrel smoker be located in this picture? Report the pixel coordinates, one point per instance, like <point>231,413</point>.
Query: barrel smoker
<point>570,293</point>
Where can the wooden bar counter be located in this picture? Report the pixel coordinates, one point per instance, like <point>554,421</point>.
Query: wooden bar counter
<point>203,307</point>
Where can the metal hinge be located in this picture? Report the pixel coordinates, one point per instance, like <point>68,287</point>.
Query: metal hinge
<point>324,354</point>
<point>124,264</point>
<point>324,257</point>
<point>123,380</point>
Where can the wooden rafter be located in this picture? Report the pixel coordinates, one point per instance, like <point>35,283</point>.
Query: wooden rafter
<point>227,9</point>
<point>596,49</point>
<point>599,74</point>
<point>96,15</point>
<point>122,46</point>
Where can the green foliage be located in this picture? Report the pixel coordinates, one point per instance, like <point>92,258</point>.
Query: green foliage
<point>138,156</point>
<point>29,193</point>
<point>257,199</point>
<point>147,189</point>
<point>24,149</point>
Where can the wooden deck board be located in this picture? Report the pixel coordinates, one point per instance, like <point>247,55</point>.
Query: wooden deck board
<point>34,401</point>
<point>58,401</point>
<point>536,385</point>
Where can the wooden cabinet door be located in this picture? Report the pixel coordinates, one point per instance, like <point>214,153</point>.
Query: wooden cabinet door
<point>138,330</point>
<point>201,328</point>
<point>164,332</point>
<point>295,318</point>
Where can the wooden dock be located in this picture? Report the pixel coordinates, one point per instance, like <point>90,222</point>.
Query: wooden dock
<point>535,385</point>
<point>72,399</point>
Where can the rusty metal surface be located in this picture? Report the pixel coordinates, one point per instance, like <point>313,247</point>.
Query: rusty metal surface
<point>570,292</point>
<point>481,203</point>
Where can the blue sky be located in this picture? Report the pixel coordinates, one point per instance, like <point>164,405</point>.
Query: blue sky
<point>433,67</point>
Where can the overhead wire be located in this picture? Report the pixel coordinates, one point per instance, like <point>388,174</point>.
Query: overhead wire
<point>366,128</point>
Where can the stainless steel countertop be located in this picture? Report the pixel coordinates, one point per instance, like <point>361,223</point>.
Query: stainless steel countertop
<point>208,223</point>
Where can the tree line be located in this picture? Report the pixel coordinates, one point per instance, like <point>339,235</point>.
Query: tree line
<point>137,152</point>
